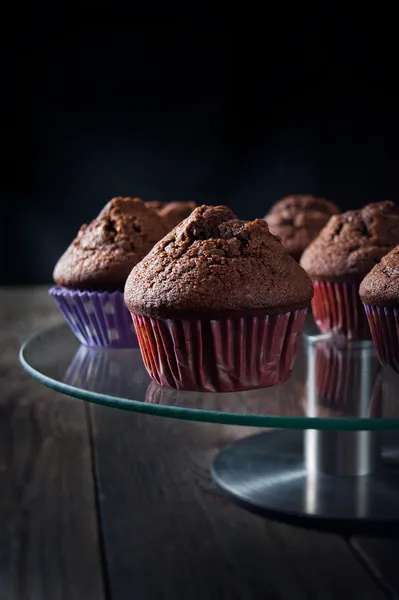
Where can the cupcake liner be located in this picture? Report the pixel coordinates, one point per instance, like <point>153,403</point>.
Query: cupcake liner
<point>98,319</point>
<point>384,326</point>
<point>337,309</point>
<point>221,355</point>
<point>345,376</point>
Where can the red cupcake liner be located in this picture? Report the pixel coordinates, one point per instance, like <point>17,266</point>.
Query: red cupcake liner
<point>384,326</point>
<point>340,376</point>
<point>337,309</point>
<point>223,355</point>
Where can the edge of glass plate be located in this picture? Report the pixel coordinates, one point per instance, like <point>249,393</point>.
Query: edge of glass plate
<point>204,416</point>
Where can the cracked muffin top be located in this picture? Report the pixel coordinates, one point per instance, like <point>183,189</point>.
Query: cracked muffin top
<point>381,286</point>
<point>213,263</point>
<point>353,242</point>
<point>298,219</point>
<point>104,252</point>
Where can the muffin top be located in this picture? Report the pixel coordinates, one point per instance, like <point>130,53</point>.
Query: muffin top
<point>298,219</point>
<point>352,243</point>
<point>155,204</point>
<point>104,252</point>
<point>214,263</point>
<point>174,212</point>
<point>380,287</point>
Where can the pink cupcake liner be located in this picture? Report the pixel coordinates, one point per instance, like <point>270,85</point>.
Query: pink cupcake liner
<point>223,355</point>
<point>337,309</point>
<point>384,326</point>
<point>98,319</point>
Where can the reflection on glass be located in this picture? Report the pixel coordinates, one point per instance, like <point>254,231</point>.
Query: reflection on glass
<point>328,381</point>
<point>106,371</point>
<point>281,400</point>
<point>121,373</point>
<point>343,380</point>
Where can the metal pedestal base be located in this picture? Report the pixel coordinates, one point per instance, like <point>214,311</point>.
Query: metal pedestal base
<point>336,481</point>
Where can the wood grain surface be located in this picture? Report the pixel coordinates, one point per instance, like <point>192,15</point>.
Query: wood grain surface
<point>97,503</point>
<point>171,535</point>
<point>49,546</point>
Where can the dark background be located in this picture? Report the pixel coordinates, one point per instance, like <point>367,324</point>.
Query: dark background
<point>214,114</point>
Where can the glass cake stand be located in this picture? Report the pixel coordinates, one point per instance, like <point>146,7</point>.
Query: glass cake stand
<point>329,458</point>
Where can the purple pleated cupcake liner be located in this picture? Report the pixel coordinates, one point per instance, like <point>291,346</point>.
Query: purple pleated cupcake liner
<point>384,326</point>
<point>98,319</point>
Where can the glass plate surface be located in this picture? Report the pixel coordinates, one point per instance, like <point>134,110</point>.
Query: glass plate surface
<point>332,387</point>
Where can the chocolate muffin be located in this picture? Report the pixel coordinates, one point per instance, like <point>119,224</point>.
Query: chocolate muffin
<point>155,204</point>
<point>344,252</point>
<point>104,252</point>
<point>172,213</point>
<point>298,219</point>
<point>380,287</point>
<point>91,274</point>
<point>379,292</point>
<point>218,304</point>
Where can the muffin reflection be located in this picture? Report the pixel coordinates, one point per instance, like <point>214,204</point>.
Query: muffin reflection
<point>111,372</point>
<point>343,380</point>
<point>283,400</point>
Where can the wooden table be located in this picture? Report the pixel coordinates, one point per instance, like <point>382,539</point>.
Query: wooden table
<point>97,503</point>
